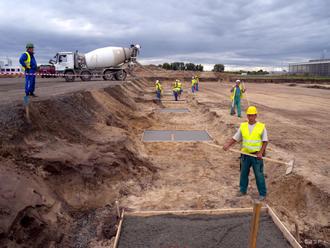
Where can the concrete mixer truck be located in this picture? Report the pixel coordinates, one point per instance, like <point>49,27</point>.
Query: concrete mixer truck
<point>112,63</point>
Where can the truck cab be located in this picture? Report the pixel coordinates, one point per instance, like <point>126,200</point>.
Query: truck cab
<point>63,61</point>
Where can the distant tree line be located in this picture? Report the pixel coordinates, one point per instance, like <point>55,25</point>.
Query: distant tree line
<point>219,68</point>
<point>180,66</point>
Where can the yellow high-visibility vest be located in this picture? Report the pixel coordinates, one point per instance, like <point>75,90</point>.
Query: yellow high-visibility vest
<point>252,142</point>
<point>158,87</point>
<point>179,85</point>
<point>193,82</point>
<point>27,62</point>
<point>176,89</point>
<point>234,92</point>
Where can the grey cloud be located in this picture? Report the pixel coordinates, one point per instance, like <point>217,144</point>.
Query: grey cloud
<point>255,32</point>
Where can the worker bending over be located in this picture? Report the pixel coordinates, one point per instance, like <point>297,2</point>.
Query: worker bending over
<point>159,89</point>
<point>236,94</point>
<point>254,138</point>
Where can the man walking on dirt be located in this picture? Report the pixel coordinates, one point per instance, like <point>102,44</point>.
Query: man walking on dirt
<point>254,138</point>
<point>29,65</point>
<point>236,94</point>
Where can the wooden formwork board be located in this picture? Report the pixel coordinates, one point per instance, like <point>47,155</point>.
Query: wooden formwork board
<point>286,233</point>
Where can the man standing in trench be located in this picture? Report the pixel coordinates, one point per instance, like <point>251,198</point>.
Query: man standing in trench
<point>29,65</point>
<point>254,138</point>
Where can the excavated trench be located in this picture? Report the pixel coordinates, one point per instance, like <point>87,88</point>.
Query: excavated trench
<point>62,170</point>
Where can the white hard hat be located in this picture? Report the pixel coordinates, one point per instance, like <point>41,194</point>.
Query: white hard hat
<point>238,81</point>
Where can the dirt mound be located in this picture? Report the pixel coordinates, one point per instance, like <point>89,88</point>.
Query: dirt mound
<point>79,152</point>
<point>307,207</point>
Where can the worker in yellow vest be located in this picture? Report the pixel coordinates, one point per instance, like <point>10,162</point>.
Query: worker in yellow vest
<point>237,92</point>
<point>29,65</point>
<point>254,139</point>
<point>176,91</point>
<point>193,84</point>
<point>159,89</point>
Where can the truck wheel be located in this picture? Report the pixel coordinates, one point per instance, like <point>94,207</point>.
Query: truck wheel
<point>108,75</point>
<point>86,76</point>
<point>121,75</point>
<point>69,76</point>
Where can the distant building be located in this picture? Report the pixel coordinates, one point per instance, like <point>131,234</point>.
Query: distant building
<point>6,67</point>
<point>319,67</point>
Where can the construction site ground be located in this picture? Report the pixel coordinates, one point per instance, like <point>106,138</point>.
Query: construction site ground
<point>81,150</point>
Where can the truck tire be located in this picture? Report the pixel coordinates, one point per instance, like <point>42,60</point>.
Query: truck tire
<point>108,75</point>
<point>86,76</point>
<point>121,75</point>
<point>69,76</point>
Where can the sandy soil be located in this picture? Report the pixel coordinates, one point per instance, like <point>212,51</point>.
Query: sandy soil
<point>82,150</point>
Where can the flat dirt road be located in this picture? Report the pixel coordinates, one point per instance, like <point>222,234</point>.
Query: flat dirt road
<point>82,150</point>
<point>12,89</point>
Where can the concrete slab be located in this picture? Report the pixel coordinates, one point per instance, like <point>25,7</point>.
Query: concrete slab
<point>175,135</point>
<point>198,230</point>
<point>192,135</point>
<point>154,135</point>
<point>174,110</point>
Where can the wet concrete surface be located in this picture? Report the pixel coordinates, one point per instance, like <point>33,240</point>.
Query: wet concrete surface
<point>175,135</point>
<point>174,110</point>
<point>195,231</point>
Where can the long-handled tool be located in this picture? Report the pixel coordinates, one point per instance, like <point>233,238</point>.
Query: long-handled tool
<point>246,96</point>
<point>289,164</point>
<point>232,109</point>
<point>26,102</point>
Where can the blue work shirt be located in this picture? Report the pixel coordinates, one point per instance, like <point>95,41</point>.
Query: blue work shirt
<point>33,62</point>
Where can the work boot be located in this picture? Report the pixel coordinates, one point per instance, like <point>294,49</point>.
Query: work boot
<point>33,95</point>
<point>240,194</point>
<point>262,198</point>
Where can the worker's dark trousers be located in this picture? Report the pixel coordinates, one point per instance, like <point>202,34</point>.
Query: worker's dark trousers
<point>158,94</point>
<point>196,87</point>
<point>29,83</point>
<point>258,168</point>
<point>175,93</point>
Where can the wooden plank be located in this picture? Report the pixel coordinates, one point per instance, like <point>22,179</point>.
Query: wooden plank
<point>254,225</point>
<point>115,245</point>
<point>294,243</point>
<point>204,211</point>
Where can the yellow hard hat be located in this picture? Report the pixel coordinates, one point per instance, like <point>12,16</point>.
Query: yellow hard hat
<point>252,110</point>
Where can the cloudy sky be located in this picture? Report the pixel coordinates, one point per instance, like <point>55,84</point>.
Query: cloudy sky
<point>237,33</point>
